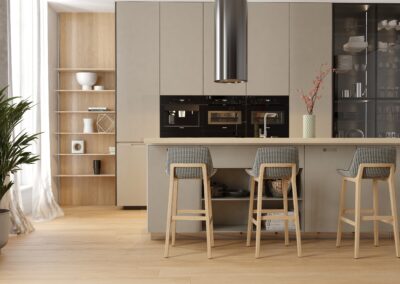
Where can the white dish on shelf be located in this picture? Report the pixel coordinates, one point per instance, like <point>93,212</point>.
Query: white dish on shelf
<point>355,46</point>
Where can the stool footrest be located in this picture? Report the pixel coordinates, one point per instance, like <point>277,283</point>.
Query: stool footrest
<point>270,211</point>
<point>190,211</point>
<point>386,219</point>
<point>351,210</point>
<point>189,218</point>
<point>348,221</point>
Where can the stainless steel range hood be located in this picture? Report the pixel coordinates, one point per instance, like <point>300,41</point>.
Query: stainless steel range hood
<point>230,41</point>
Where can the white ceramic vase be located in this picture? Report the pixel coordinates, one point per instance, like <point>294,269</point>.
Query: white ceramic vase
<point>308,126</point>
<point>88,125</point>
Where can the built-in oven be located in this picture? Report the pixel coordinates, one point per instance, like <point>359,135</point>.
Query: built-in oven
<point>224,116</point>
<point>181,116</point>
<point>267,112</point>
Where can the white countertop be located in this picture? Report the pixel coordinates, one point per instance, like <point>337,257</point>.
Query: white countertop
<point>272,141</point>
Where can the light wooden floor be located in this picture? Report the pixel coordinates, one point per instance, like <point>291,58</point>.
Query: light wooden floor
<point>107,245</point>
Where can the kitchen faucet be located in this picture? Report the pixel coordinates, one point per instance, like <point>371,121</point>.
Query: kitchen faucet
<point>266,115</point>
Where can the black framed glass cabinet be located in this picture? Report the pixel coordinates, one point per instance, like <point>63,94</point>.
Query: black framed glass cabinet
<point>366,81</point>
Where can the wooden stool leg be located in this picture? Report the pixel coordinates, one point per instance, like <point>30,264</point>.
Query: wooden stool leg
<point>251,208</point>
<point>376,211</point>
<point>285,208</point>
<point>211,213</point>
<point>393,203</point>
<point>259,209</point>
<point>296,214</point>
<point>169,213</point>
<point>357,219</point>
<point>174,211</point>
<point>207,205</point>
<point>341,211</point>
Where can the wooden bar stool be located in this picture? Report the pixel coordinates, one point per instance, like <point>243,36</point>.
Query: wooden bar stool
<point>273,163</point>
<point>189,163</point>
<point>377,164</point>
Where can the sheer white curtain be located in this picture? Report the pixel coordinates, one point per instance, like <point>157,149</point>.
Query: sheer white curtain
<point>29,80</point>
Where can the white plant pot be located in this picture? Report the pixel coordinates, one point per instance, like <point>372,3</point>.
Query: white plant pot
<point>308,126</point>
<point>88,125</point>
<point>5,226</point>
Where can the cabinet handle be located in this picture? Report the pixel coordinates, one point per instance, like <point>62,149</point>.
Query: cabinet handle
<point>329,150</point>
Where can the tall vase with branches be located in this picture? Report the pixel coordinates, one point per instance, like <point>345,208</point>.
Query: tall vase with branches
<point>310,98</point>
<point>14,148</point>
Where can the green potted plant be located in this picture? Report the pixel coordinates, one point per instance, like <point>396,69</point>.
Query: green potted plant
<point>13,151</point>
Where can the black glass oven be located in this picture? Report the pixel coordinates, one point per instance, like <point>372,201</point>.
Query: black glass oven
<point>224,116</point>
<point>274,110</point>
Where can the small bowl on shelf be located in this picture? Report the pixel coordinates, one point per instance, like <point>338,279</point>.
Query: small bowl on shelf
<point>86,80</point>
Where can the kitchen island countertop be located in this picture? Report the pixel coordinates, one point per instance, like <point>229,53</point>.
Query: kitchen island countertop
<point>272,141</point>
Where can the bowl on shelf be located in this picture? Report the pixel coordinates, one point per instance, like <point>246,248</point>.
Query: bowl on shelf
<point>86,79</point>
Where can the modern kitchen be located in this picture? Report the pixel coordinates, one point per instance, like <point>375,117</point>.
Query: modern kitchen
<point>207,141</point>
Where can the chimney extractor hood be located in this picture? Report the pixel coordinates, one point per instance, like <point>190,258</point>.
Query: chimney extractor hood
<point>230,41</point>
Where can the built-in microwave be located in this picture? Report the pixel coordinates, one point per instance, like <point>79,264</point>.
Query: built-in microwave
<point>224,116</point>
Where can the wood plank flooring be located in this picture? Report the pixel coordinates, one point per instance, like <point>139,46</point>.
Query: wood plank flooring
<point>108,245</point>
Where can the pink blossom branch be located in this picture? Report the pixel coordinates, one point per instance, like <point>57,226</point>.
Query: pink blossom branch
<point>312,95</point>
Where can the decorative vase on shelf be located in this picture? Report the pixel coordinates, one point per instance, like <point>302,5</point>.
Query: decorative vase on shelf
<point>88,125</point>
<point>309,126</point>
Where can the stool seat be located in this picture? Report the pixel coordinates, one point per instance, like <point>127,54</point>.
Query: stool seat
<point>370,155</point>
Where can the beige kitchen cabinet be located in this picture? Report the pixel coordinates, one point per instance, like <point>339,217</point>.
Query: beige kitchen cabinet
<point>181,48</point>
<point>268,49</point>
<point>310,46</point>
<point>137,35</point>
<point>131,174</point>
<point>210,87</point>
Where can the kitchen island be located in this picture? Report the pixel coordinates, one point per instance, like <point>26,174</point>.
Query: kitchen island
<point>319,183</point>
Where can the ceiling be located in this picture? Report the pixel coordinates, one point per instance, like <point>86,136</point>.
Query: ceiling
<point>108,5</point>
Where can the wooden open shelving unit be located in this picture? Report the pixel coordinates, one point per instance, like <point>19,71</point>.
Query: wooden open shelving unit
<point>86,43</point>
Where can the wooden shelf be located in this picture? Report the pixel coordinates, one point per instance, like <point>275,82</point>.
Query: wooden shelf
<point>86,91</point>
<point>85,155</point>
<point>85,69</point>
<point>84,112</point>
<point>81,133</point>
<point>84,176</point>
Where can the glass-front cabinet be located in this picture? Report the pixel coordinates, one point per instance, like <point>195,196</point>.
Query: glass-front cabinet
<point>366,81</point>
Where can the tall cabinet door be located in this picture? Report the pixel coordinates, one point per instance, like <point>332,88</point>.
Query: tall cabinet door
<point>268,60</point>
<point>181,48</point>
<point>131,181</point>
<point>310,46</point>
<point>137,29</point>
<point>210,87</point>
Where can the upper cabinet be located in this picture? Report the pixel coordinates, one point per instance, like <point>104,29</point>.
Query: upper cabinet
<point>268,49</point>
<point>310,46</point>
<point>137,70</point>
<point>181,48</point>
<point>210,87</point>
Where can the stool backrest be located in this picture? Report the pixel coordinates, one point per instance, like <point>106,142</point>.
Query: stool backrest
<point>275,155</point>
<point>189,155</point>
<point>372,155</point>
